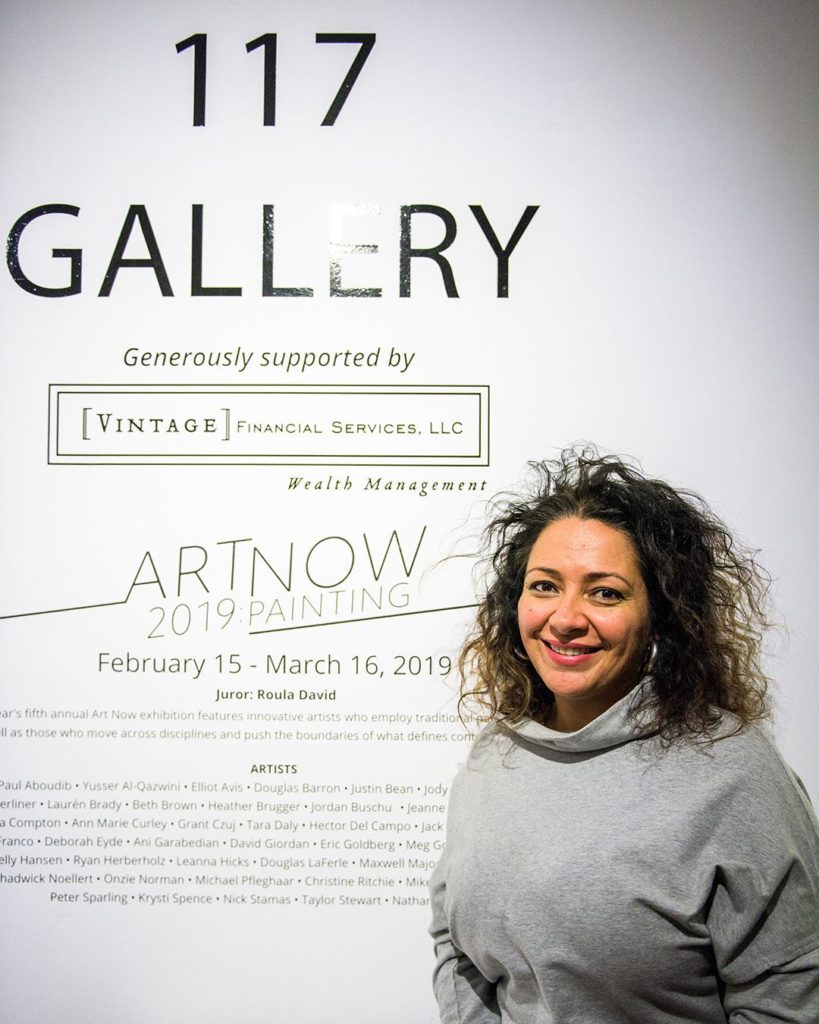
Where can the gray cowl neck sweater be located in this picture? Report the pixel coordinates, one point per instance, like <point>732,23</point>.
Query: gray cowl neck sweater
<point>597,877</point>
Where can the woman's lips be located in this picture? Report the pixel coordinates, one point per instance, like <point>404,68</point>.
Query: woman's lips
<point>569,654</point>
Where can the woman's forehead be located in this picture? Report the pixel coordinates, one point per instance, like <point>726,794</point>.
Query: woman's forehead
<point>583,543</point>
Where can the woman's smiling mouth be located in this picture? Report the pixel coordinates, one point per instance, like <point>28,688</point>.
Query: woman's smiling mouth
<point>569,654</point>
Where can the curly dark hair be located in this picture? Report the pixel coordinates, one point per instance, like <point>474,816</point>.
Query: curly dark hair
<point>707,599</point>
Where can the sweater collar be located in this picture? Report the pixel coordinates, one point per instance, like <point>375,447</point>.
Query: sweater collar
<point>613,727</point>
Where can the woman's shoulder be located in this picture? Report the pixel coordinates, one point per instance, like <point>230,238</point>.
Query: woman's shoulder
<point>747,746</point>
<point>485,743</point>
<point>743,761</point>
<point>485,750</point>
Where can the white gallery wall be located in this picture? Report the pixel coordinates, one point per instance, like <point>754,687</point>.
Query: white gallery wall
<point>260,380</point>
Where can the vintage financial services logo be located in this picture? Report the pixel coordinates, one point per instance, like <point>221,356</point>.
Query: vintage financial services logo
<point>247,424</point>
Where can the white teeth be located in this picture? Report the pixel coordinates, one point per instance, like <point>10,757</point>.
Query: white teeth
<point>570,652</point>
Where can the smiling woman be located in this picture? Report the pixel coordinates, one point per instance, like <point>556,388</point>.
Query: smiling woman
<point>624,843</point>
<point>706,596</point>
<point>584,618</point>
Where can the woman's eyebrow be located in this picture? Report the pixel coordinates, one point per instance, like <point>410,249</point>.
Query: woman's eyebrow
<point>589,577</point>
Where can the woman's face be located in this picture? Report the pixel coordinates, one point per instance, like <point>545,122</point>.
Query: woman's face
<point>584,617</point>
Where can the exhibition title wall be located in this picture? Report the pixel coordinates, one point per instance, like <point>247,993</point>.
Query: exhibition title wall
<point>290,293</point>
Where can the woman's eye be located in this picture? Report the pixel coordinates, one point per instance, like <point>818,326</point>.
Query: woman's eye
<point>608,594</point>
<point>542,587</point>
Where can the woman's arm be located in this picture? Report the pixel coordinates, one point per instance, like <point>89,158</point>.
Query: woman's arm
<point>788,994</point>
<point>464,995</point>
<point>764,909</point>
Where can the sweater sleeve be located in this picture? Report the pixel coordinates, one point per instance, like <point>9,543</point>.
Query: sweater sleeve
<point>764,912</point>
<point>464,995</point>
<point>788,994</point>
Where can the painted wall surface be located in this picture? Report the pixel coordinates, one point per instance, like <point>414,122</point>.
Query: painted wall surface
<point>260,375</point>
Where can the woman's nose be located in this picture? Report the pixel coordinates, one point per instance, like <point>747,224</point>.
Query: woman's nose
<point>568,616</point>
